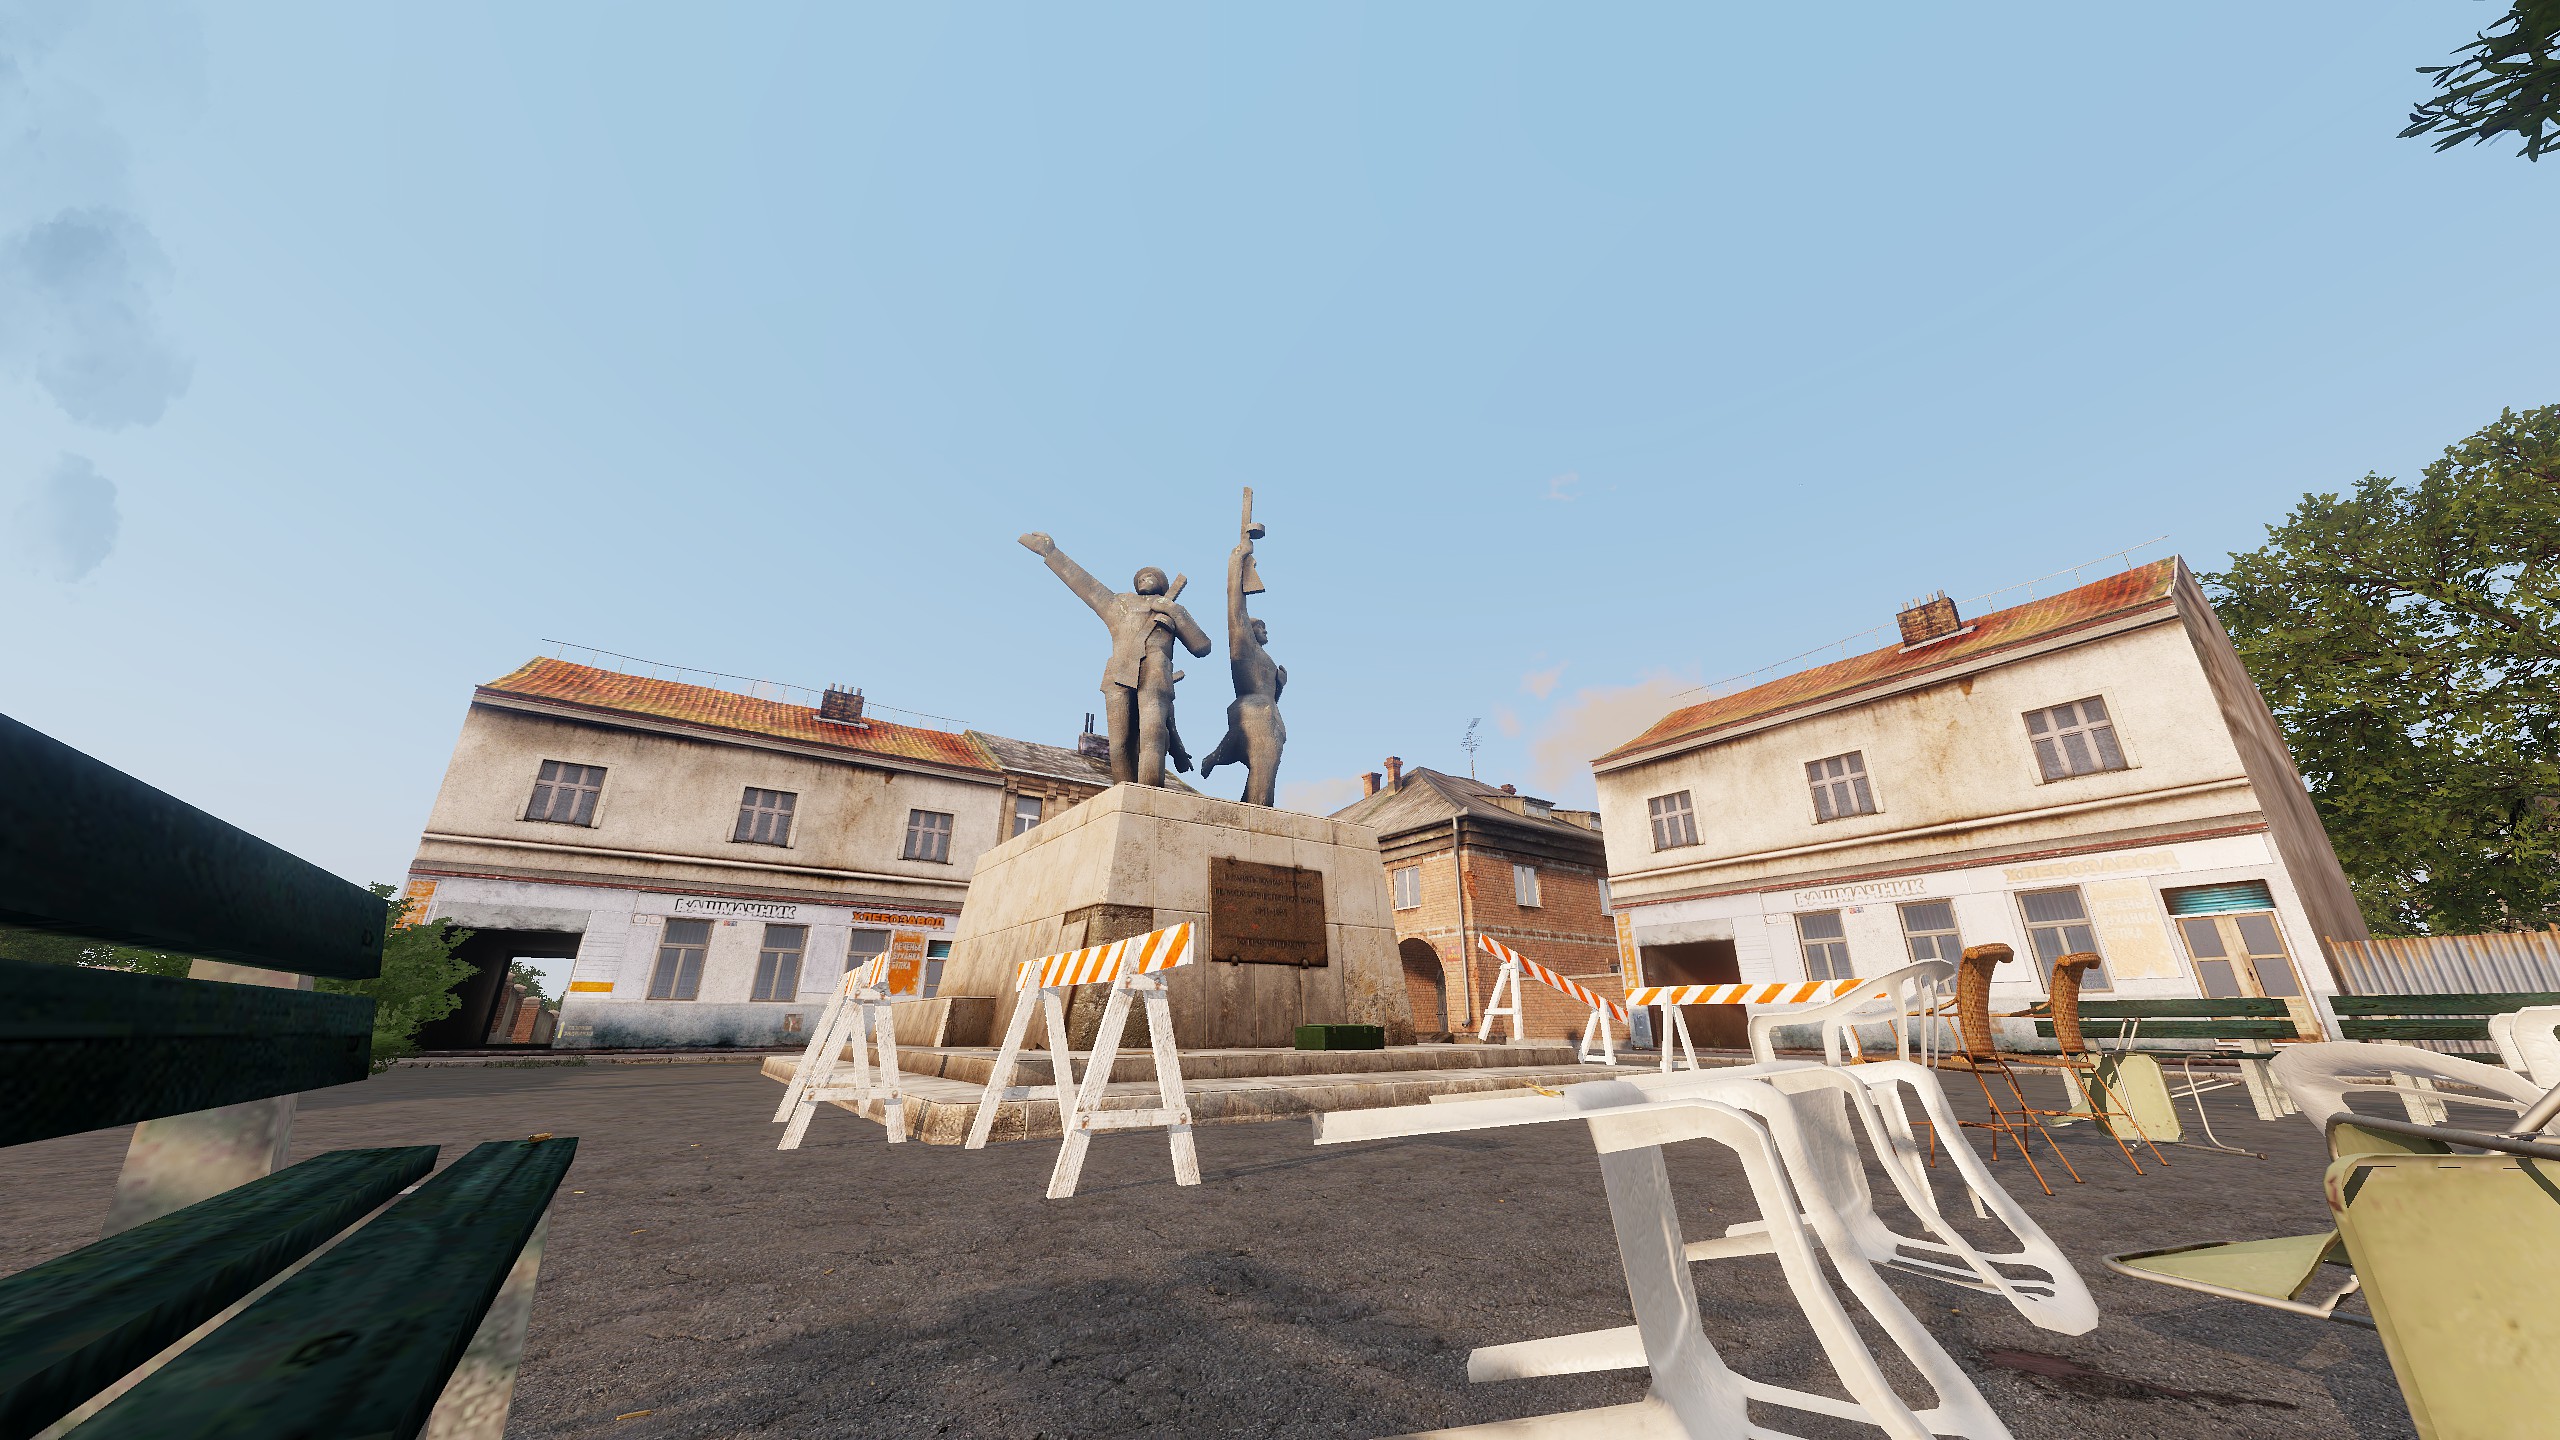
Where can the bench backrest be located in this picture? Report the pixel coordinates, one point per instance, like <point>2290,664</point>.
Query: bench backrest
<point>90,851</point>
<point>2429,1017</point>
<point>2234,1018</point>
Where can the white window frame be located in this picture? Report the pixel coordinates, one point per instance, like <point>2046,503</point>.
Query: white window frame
<point>1805,944</point>
<point>1841,789</point>
<point>668,975</point>
<point>1407,883</point>
<point>1524,887</point>
<point>778,965</point>
<point>1675,820</point>
<point>2092,982</point>
<point>1955,927</point>
<point>1021,821</point>
<point>2098,737</point>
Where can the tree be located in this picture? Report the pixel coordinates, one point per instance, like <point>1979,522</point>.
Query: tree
<point>2408,640</point>
<point>2504,82</point>
<point>419,973</point>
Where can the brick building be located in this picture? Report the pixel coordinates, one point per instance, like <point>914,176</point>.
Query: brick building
<point>1465,859</point>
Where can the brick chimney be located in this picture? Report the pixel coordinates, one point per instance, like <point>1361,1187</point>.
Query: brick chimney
<point>1395,772</point>
<point>1510,789</point>
<point>1368,783</point>
<point>1088,743</point>
<point>1932,617</point>
<point>841,705</point>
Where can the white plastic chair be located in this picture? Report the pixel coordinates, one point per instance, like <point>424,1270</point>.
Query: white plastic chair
<point>1694,1393</point>
<point>2526,1043</point>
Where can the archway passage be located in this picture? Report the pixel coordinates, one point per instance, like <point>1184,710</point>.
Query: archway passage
<point>1427,986</point>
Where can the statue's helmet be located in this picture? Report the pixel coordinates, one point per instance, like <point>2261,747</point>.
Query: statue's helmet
<point>1150,581</point>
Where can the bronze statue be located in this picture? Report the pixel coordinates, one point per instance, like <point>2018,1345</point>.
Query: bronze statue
<point>1137,686</point>
<point>1254,732</point>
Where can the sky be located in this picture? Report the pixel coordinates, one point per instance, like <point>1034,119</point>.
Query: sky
<point>1577,356</point>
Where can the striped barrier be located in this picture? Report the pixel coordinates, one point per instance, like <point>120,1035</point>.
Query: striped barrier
<point>1595,1031</point>
<point>1784,992</point>
<point>1093,965</point>
<point>870,976</point>
<point>1132,968</point>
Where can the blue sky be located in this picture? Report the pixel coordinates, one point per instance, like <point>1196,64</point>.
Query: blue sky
<point>346,352</point>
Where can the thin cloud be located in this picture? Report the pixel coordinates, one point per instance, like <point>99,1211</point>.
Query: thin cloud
<point>66,524</point>
<point>1567,486</point>
<point>76,313</point>
<point>1595,721</point>
<point>1318,797</point>
<point>1506,720</point>
<point>1542,683</point>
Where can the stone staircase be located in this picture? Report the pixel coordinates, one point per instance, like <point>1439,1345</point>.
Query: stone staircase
<point>1224,1087</point>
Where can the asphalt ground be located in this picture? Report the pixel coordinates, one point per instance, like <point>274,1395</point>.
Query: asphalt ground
<point>698,1282</point>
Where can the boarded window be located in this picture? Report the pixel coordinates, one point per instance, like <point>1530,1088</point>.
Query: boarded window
<point>1826,946</point>
<point>1408,885</point>
<point>1524,886</point>
<point>678,975</point>
<point>2074,739</point>
<point>1674,824</point>
<point>764,817</point>
<point>778,962</point>
<point>928,836</point>
<point>1840,787</point>
<point>565,794</point>
<point>2058,925</point>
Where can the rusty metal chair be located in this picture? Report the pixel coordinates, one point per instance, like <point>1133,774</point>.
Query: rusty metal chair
<point>2098,1079</point>
<point>1982,1056</point>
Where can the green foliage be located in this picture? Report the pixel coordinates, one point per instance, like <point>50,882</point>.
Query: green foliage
<point>2504,82</point>
<point>531,980</point>
<point>419,973</point>
<point>2408,640</point>
<point>50,948</point>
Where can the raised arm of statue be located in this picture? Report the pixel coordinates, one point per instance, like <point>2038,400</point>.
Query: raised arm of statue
<point>1091,591</point>
<point>1239,623</point>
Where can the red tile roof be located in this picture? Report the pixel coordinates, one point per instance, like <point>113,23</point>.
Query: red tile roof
<point>2136,589</point>
<point>609,690</point>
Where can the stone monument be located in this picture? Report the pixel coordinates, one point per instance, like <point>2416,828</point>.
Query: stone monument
<point>1295,921</point>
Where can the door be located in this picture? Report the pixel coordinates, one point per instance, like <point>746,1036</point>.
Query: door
<point>2240,955</point>
<point>1702,962</point>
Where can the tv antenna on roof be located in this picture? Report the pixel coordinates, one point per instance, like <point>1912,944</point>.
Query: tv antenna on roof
<point>1468,742</point>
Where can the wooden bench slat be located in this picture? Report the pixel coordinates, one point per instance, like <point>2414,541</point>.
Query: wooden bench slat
<point>2249,1006</point>
<point>83,1049</point>
<point>73,1325</point>
<point>362,1340</point>
<point>2105,1031</point>
<point>89,850</point>
<point>2491,1004</point>
<point>2361,1029</point>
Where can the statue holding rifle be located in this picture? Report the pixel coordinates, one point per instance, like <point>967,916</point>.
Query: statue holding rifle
<point>1254,732</point>
<point>1137,684</point>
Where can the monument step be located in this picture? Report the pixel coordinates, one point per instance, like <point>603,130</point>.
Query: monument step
<point>939,1109</point>
<point>975,1065</point>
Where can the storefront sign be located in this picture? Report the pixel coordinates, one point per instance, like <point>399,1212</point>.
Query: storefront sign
<point>735,909</point>
<point>883,917</point>
<point>2114,864</point>
<point>1872,890</point>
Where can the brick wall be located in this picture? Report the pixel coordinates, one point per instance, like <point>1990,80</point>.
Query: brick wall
<point>1567,931</point>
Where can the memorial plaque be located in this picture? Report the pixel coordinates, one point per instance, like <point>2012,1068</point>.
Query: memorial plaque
<point>1265,914</point>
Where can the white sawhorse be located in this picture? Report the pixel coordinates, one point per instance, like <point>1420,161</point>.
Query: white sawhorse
<point>1134,969</point>
<point>1599,1042</point>
<point>857,1018</point>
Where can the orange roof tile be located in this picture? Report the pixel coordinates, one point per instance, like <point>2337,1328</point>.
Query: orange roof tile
<point>2135,589</point>
<point>584,685</point>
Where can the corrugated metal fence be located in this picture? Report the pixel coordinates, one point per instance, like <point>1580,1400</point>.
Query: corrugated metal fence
<point>2452,965</point>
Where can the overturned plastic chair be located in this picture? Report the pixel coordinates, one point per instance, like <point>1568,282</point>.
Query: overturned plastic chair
<point>1694,1393</point>
<point>2526,1043</point>
<point>2278,1273</point>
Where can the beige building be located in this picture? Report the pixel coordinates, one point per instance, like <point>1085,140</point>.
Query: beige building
<point>2092,771</point>
<point>711,862</point>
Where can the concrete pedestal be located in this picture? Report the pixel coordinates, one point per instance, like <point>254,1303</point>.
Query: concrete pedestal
<point>1134,859</point>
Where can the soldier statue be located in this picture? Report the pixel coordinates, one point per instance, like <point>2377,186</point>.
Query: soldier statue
<point>1137,686</point>
<point>1254,732</point>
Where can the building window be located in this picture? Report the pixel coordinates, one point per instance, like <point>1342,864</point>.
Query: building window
<point>1408,882</point>
<point>1524,886</point>
<point>678,975</point>
<point>1674,825</point>
<point>935,953</point>
<point>1930,929</point>
<point>2075,739</point>
<point>778,963</point>
<point>1826,946</point>
<point>565,794</point>
<point>865,946</point>
<point>2058,925</point>
<point>1026,812</point>
<point>764,817</point>
<point>928,836</point>
<point>1840,787</point>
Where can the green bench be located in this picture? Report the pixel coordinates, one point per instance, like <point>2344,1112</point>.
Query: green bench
<point>2429,1017</point>
<point>2251,1026</point>
<point>417,1311</point>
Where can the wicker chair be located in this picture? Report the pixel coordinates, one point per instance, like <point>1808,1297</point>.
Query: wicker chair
<point>2094,1079</point>
<point>1981,1055</point>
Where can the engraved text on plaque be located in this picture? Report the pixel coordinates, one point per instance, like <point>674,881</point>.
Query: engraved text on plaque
<point>1265,914</point>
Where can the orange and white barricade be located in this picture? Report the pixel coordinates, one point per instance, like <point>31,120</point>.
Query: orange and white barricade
<point>858,1017</point>
<point>1596,1034</point>
<point>1132,967</point>
<point>1779,992</point>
